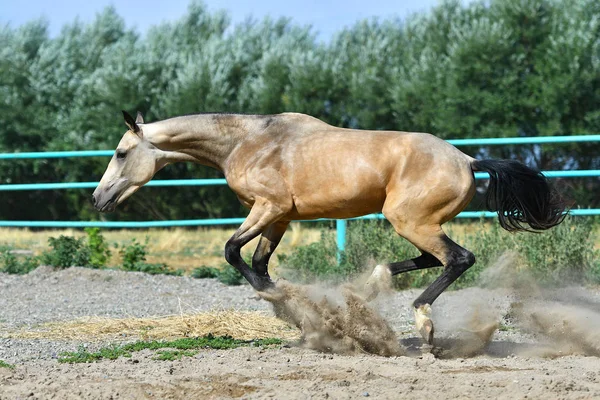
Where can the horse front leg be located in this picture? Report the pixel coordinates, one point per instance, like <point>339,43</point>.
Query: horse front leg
<point>266,246</point>
<point>262,215</point>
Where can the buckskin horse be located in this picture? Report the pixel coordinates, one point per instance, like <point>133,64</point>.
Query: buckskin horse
<point>292,166</point>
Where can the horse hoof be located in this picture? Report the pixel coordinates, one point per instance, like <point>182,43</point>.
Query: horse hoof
<point>263,284</point>
<point>424,323</point>
<point>380,280</point>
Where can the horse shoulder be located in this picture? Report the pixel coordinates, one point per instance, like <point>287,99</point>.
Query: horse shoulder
<point>254,170</point>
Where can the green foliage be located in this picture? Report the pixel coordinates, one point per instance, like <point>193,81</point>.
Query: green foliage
<point>182,346</point>
<point>11,264</point>
<point>133,254</point>
<point>314,261</point>
<point>134,259</point>
<point>205,272</point>
<point>229,275</point>
<point>375,242</point>
<point>563,255</point>
<point>99,251</point>
<point>67,252</point>
<point>4,364</point>
<point>367,243</point>
<point>172,355</point>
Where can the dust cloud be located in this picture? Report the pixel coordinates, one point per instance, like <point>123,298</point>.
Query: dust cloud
<point>556,322</point>
<point>334,320</point>
<point>560,320</point>
<point>561,327</point>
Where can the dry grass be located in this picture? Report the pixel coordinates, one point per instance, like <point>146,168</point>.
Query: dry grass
<point>179,248</point>
<point>243,325</point>
<point>187,249</point>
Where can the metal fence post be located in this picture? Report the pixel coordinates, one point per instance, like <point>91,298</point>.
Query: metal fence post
<point>340,227</point>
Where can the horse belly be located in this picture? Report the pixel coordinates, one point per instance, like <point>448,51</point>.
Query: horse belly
<point>356,192</point>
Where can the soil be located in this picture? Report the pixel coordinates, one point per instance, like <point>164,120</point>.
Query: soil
<point>547,345</point>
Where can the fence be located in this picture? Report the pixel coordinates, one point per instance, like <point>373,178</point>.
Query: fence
<point>340,224</point>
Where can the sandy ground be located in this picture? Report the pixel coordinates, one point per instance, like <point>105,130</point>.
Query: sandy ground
<point>547,345</point>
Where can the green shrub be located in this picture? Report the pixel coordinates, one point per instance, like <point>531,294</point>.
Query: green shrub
<point>67,252</point>
<point>205,272</point>
<point>134,253</point>
<point>229,275</point>
<point>314,261</point>
<point>367,243</point>
<point>99,251</point>
<point>11,264</point>
<point>134,259</point>
<point>376,242</point>
<point>563,255</point>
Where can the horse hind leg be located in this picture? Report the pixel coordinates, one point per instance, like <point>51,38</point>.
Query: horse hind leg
<point>456,260</point>
<point>382,273</point>
<point>438,249</point>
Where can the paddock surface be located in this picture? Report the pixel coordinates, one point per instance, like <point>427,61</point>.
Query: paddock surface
<point>557,357</point>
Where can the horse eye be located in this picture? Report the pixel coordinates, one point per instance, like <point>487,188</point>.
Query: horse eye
<point>121,154</point>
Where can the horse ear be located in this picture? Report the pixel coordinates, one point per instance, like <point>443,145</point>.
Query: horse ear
<point>131,123</point>
<point>140,118</point>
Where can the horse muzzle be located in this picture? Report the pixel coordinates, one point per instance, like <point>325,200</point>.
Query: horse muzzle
<point>107,200</point>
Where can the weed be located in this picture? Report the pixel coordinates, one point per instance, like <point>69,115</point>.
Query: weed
<point>134,253</point>
<point>172,355</point>
<point>134,259</point>
<point>377,242</point>
<point>182,345</point>
<point>4,364</point>
<point>205,272</point>
<point>316,260</point>
<point>99,251</point>
<point>229,275</point>
<point>10,264</point>
<point>67,252</point>
<point>367,241</point>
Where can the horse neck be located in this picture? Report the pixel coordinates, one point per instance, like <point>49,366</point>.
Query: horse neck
<point>206,139</point>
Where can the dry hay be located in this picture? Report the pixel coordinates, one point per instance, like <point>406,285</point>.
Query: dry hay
<point>243,325</point>
<point>337,321</point>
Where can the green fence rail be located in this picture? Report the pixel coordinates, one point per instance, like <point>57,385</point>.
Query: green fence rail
<point>340,224</point>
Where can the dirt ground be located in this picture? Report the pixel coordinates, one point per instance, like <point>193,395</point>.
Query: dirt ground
<point>547,346</point>
<point>294,373</point>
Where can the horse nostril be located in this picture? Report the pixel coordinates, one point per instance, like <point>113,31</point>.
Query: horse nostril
<point>94,199</point>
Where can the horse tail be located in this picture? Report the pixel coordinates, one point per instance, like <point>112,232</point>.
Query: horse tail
<point>521,195</point>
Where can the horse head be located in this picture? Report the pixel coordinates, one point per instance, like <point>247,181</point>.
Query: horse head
<point>134,163</point>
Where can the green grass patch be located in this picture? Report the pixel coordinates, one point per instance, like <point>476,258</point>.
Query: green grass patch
<point>4,364</point>
<point>172,355</point>
<point>182,347</point>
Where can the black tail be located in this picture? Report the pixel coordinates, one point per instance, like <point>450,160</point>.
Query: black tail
<point>521,195</point>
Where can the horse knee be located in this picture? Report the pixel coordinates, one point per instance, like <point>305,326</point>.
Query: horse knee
<point>232,252</point>
<point>460,261</point>
<point>466,259</point>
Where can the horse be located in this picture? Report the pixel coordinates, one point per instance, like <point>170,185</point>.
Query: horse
<point>292,166</point>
